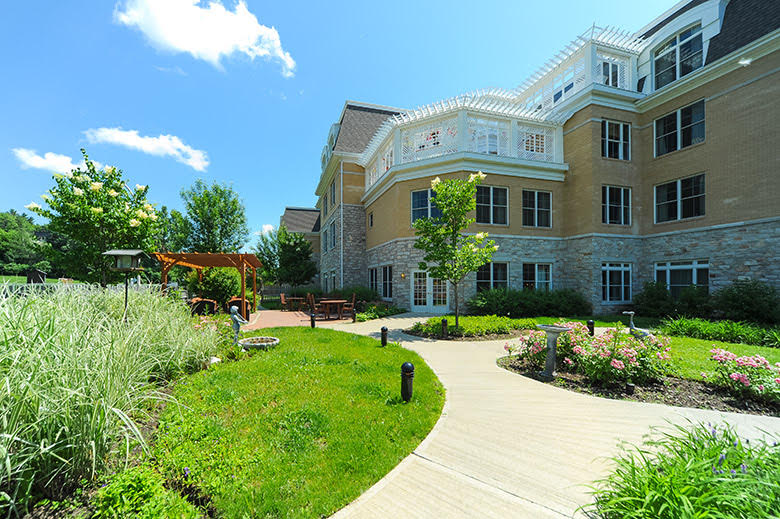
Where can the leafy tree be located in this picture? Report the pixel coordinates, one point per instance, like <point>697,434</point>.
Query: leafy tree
<point>96,209</point>
<point>217,218</point>
<point>286,257</point>
<point>174,231</point>
<point>19,246</point>
<point>449,254</point>
<point>267,251</point>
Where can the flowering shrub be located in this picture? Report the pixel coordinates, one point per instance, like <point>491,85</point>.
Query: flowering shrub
<point>747,376</point>
<point>531,349</point>
<point>614,356</point>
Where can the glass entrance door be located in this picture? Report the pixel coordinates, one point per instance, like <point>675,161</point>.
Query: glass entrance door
<point>429,294</point>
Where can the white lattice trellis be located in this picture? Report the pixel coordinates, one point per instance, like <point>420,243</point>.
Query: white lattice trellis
<point>535,143</point>
<point>622,66</point>
<point>432,140</point>
<point>489,136</point>
<point>372,175</point>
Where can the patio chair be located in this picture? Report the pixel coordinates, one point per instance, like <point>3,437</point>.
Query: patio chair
<point>284,303</point>
<point>349,308</point>
<point>316,308</point>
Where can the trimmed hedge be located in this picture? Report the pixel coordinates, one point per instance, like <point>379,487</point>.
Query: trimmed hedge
<point>472,325</point>
<point>529,303</point>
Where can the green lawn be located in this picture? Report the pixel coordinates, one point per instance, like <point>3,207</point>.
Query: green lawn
<point>298,431</point>
<point>22,279</point>
<point>691,356</point>
<point>605,321</point>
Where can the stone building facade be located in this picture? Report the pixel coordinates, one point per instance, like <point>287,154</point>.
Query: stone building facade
<point>631,158</point>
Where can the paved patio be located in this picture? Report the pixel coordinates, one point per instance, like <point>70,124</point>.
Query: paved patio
<point>509,446</point>
<point>274,318</point>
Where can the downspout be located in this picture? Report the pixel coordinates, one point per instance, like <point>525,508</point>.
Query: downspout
<point>341,216</point>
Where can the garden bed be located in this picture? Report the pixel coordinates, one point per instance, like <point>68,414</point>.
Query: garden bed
<point>472,327</point>
<point>668,391</point>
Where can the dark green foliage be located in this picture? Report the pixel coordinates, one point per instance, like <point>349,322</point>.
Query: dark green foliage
<point>473,325</point>
<point>529,303</point>
<point>686,474</point>
<point>376,311</point>
<point>361,293</point>
<point>286,258</point>
<point>750,300</point>
<point>726,331</point>
<point>173,231</point>
<point>219,284</point>
<point>216,216</point>
<point>694,301</point>
<point>654,300</point>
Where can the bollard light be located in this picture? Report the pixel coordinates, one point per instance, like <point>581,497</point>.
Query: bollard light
<point>384,335</point>
<point>591,328</point>
<point>311,318</point>
<point>407,381</point>
<point>445,331</point>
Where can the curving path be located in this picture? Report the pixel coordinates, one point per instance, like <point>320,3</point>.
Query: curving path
<point>506,445</point>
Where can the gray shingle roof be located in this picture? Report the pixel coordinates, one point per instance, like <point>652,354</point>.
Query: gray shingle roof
<point>358,125</point>
<point>657,27</point>
<point>301,219</point>
<point>744,21</point>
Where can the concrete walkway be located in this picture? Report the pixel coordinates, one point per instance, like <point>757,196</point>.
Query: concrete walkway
<point>509,446</point>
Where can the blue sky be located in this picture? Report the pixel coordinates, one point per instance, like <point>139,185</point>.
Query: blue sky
<point>177,93</point>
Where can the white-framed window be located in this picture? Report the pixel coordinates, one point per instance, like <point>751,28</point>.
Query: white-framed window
<point>537,276</point>
<point>333,193</point>
<point>615,140</point>
<point>616,282</point>
<point>333,235</point>
<point>610,73</point>
<point>324,204</point>
<point>423,205</point>
<point>387,159</point>
<point>680,129</point>
<point>373,282</point>
<point>680,199</point>
<point>678,56</point>
<point>371,219</point>
<point>537,208</point>
<point>325,242</point>
<point>493,275</point>
<point>486,136</point>
<point>492,205</point>
<point>387,282</point>
<point>677,275</point>
<point>616,205</point>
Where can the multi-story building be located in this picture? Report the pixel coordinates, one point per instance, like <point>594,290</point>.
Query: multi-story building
<point>626,158</point>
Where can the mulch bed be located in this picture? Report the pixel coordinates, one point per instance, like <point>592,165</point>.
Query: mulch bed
<point>490,337</point>
<point>670,391</point>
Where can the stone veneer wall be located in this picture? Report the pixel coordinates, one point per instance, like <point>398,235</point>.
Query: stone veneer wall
<point>748,251</point>
<point>355,272</point>
<point>329,259</point>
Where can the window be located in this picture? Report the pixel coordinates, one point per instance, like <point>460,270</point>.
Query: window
<point>492,275</point>
<point>333,193</point>
<point>615,140</point>
<point>537,208</point>
<point>534,142</point>
<point>387,282</point>
<point>423,205</point>
<point>325,242</point>
<point>324,204</point>
<point>333,235</point>
<point>492,205</point>
<point>678,57</point>
<point>679,199</point>
<point>610,73</point>
<point>537,276</point>
<point>680,129</point>
<point>616,282</point>
<point>333,280</point>
<point>680,274</point>
<point>616,205</point>
<point>387,159</point>
<point>372,280</point>
<point>371,219</point>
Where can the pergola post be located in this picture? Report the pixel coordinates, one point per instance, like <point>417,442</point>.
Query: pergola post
<point>254,289</point>
<point>243,291</point>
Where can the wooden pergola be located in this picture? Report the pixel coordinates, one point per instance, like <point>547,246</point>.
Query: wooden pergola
<point>201,260</point>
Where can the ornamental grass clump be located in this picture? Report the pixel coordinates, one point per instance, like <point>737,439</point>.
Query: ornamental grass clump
<point>703,471</point>
<point>75,380</point>
<point>748,376</point>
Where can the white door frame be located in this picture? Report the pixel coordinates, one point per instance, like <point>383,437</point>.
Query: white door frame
<point>429,307</point>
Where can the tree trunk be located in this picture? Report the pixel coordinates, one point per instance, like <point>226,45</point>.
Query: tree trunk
<point>457,308</point>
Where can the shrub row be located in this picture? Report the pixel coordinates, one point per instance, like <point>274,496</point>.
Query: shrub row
<point>361,293</point>
<point>378,310</point>
<point>750,300</point>
<point>472,325</point>
<point>529,303</point>
<point>726,331</point>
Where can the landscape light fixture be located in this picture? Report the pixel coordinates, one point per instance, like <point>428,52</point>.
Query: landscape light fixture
<point>127,261</point>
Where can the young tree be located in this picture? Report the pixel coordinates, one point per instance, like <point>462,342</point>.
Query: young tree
<point>217,218</point>
<point>174,231</point>
<point>295,265</point>
<point>267,251</point>
<point>449,254</point>
<point>96,209</point>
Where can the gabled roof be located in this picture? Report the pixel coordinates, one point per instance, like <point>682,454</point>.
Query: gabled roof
<point>676,12</point>
<point>744,21</point>
<point>301,219</point>
<point>359,123</point>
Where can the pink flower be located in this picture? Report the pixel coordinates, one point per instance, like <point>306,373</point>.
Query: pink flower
<point>568,361</point>
<point>703,375</point>
<point>761,387</point>
<point>617,364</point>
<point>777,380</point>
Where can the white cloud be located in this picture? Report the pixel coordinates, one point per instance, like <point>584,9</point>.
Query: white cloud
<point>267,228</point>
<point>208,33</point>
<point>172,70</point>
<point>53,162</point>
<point>161,146</point>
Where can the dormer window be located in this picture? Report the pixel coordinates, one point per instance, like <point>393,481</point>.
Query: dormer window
<point>678,57</point>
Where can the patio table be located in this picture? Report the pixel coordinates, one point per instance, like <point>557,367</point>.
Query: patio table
<point>296,301</point>
<point>329,303</point>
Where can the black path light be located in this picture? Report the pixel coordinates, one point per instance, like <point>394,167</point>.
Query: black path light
<point>445,332</point>
<point>407,381</point>
<point>127,261</point>
<point>591,328</point>
<point>383,331</point>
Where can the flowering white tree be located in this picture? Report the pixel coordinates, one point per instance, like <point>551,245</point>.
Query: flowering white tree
<point>99,212</point>
<point>449,253</point>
